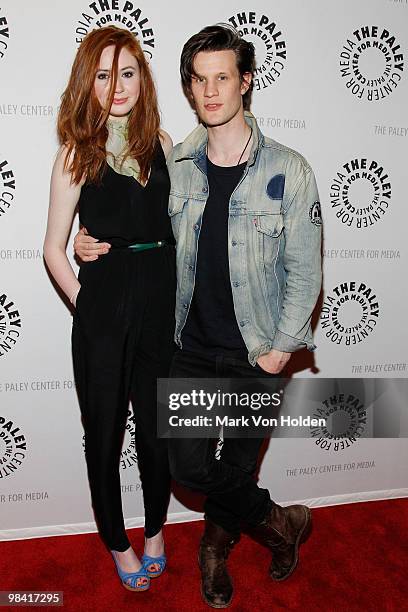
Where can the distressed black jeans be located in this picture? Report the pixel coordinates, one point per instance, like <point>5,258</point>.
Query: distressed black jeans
<point>233,495</point>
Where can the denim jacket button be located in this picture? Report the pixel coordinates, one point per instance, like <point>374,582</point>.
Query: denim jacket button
<point>185,306</point>
<point>235,284</point>
<point>233,243</point>
<point>204,189</point>
<point>196,226</point>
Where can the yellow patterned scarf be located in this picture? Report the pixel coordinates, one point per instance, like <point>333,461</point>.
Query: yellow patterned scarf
<point>116,146</point>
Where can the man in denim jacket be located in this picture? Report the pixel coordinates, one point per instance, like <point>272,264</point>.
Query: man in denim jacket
<point>274,237</point>
<point>246,216</point>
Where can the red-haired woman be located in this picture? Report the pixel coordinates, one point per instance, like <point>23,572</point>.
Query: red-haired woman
<point>112,165</point>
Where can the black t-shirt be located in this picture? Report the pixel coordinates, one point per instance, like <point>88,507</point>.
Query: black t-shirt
<point>211,325</point>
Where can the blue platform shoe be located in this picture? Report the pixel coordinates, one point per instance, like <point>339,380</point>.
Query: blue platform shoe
<point>160,561</point>
<point>130,579</point>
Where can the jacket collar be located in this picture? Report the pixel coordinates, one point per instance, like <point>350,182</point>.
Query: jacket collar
<point>194,146</point>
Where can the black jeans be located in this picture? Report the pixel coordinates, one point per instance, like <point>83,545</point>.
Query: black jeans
<point>232,493</point>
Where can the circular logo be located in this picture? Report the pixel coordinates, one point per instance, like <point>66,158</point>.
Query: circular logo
<point>315,213</point>
<point>10,324</point>
<point>13,447</point>
<point>7,186</point>
<point>269,43</point>
<point>4,34</point>
<point>121,13</point>
<point>345,417</point>
<point>350,314</point>
<point>128,456</point>
<point>360,193</point>
<point>372,63</point>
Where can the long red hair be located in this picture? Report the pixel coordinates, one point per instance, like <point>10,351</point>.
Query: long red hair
<point>82,121</point>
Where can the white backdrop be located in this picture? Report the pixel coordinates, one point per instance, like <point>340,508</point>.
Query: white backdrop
<point>331,83</point>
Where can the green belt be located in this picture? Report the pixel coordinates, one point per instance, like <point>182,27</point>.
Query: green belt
<point>142,246</point>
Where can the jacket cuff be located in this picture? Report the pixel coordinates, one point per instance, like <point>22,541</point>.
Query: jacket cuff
<point>288,344</point>
<point>260,350</point>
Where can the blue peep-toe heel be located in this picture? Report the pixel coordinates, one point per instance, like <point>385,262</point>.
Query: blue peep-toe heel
<point>129,579</point>
<point>160,561</point>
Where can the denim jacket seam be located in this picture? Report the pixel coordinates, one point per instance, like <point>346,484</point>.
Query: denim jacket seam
<point>276,277</point>
<point>303,177</point>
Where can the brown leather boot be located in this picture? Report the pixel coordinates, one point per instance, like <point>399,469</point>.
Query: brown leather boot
<point>283,530</point>
<point>215,546</point>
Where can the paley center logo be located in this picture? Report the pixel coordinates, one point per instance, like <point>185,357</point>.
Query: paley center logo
<point>7,185</point>
<point>13,446</point>
<point>10,324</point>
<point>350,313</point>
<point>346,420</point>
<point>4,34</point>
<point>360,192</point>
<point>269,43</point>
<point>121,13</point>
<point>128,456</point>
<point>371,63</point>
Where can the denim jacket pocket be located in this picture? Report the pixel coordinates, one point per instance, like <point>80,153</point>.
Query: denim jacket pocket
<point>270,224</point>
<point>269,231</point>
<point>176,206</point>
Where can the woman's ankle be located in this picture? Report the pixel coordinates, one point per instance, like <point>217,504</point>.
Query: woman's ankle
<point>128,560</point>
<point>154,546</point>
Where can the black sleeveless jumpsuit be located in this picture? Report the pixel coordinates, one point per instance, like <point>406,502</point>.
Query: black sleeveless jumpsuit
<point>122,340</point>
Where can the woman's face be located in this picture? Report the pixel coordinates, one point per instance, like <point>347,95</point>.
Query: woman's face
<point>127,87</point>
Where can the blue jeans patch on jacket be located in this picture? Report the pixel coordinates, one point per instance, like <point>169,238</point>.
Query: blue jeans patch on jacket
<point>276,187</point>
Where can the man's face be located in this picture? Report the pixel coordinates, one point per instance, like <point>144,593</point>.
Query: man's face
<point>217,88</point>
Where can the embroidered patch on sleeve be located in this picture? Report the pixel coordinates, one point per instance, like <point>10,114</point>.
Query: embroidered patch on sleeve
<point>276,187</point>
<point>315,213</point>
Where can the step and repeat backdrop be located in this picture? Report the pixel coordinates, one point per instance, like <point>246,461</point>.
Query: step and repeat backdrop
<point>332,83</point>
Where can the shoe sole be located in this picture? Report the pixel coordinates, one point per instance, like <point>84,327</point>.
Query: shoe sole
<point>155,575</point>
<point>143,588</point>
<point>213,605</point>
<point>302,536</point>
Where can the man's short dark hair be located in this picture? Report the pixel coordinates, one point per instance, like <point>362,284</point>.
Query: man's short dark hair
<point>219,37</point>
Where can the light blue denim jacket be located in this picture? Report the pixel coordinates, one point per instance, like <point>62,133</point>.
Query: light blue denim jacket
<point>274,240</point>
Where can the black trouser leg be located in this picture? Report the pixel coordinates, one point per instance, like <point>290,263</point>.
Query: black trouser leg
<point>192,463</point>
<point>103,391</point>
<point>153,357</point>
<point>242,453</point>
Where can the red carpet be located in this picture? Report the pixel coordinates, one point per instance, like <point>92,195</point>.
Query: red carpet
<point>355,559</point>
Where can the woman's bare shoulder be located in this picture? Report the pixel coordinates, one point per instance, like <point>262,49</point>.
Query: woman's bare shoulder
<point>166,142</point>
